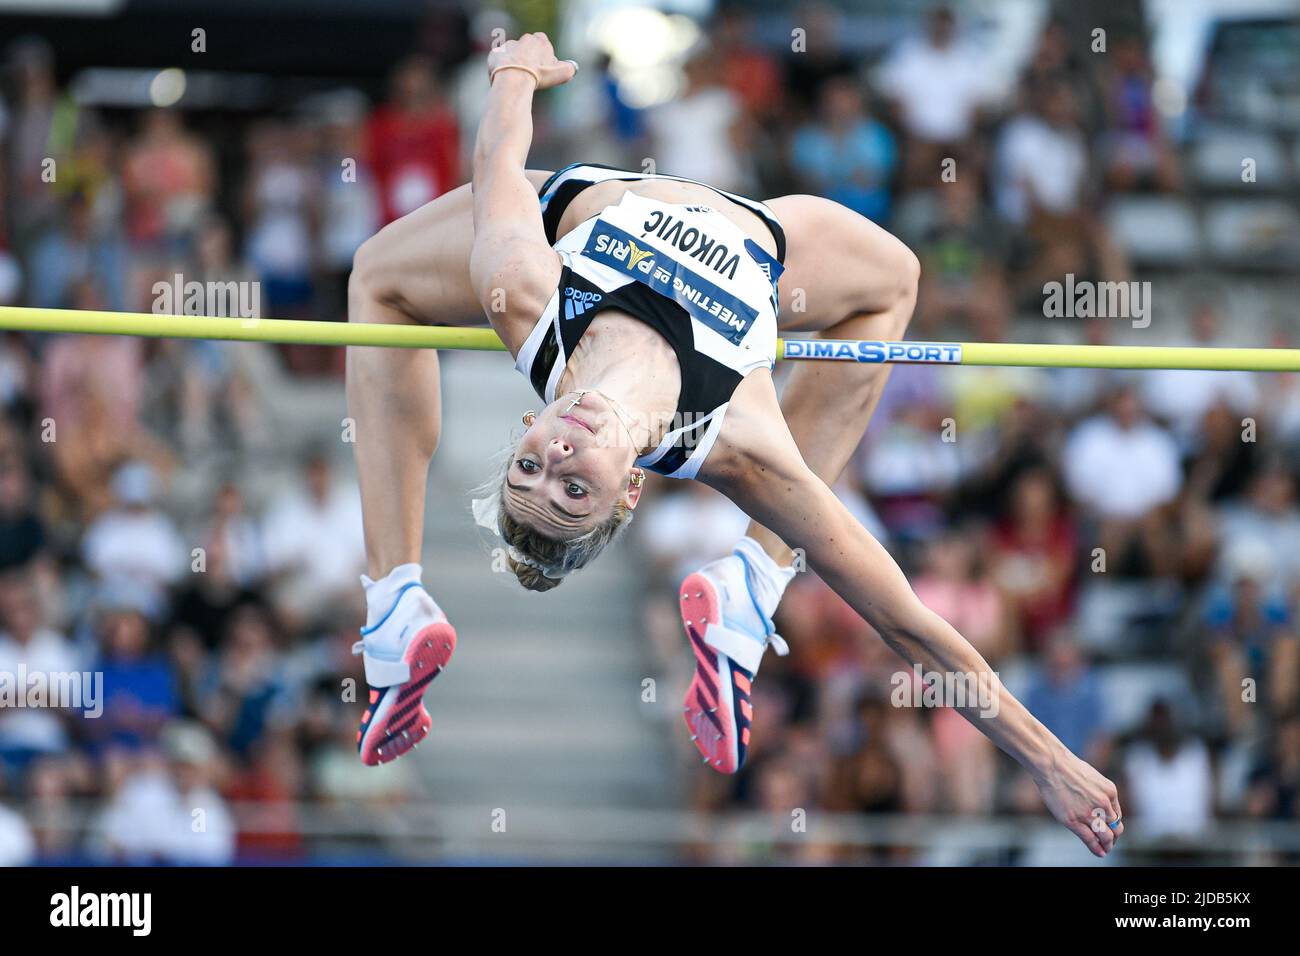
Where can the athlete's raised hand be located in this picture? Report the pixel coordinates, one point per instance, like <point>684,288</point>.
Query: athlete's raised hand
<point>1084,801</point>
<point>532,53</point>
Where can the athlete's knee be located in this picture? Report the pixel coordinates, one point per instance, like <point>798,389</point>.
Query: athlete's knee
<point>892,270</point>
<point>903,268</point>
<point>371,281</point>
<point>909,284</point>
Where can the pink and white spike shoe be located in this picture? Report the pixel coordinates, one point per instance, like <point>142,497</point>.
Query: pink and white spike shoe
<point>403,653</point>
<point>728,634</point>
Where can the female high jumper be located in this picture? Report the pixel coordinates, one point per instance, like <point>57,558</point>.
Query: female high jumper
<point>644,310</point>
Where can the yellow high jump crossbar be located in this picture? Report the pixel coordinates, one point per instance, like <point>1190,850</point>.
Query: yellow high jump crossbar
<point>288,331</point>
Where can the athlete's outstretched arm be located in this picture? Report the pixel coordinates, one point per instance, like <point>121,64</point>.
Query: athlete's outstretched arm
<point>845,278</point>
<point>513,268</point>
<point>757,464</point>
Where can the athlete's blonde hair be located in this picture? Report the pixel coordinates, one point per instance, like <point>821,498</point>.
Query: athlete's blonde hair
<point>541,563</point>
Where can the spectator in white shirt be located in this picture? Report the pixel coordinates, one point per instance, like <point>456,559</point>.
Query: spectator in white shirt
<point>698,134</point>
<point>17,845</point>
<point>1124,469</point>
<point>1042,160</point>
<point>171,812</point>
<point>1043,186</point>
<point>135,540</point>
<point>937,84</point>
<point>26,641</point>
<point>1170,790</point>
<point>314,542</point>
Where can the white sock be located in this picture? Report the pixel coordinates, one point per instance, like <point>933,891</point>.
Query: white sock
<point>381,594</point>
<point>768,578</point>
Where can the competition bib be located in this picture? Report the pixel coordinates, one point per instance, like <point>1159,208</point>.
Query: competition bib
<point>692,255</point>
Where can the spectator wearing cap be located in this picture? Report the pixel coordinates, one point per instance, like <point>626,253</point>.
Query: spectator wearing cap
<point>136,540</point>
<point>154,816</point>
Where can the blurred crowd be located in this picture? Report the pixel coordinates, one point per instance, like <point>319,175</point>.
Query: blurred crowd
<point>1116,545</point>
<point>1119,545</point>
<point>163,520</point>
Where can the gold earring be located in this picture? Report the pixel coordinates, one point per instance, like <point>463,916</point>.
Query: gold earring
<point>529,417</point>
<point>638,479</point>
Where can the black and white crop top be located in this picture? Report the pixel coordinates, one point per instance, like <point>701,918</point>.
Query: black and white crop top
<point>688,272</point>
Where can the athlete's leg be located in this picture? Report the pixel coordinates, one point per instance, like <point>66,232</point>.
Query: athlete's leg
<point>845,278</point>
<point>414,271</point>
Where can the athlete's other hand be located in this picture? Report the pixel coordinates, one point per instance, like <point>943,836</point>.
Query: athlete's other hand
<point>534,51</point>
<point>1083,800</point>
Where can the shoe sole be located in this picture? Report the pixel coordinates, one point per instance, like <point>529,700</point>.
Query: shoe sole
<point>396,720</point>
<point>710,700</point>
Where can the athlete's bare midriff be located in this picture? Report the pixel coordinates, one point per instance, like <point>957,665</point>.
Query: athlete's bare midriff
<point>596,197</point>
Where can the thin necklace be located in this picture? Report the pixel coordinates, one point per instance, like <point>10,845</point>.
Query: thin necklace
<point>614,405</point>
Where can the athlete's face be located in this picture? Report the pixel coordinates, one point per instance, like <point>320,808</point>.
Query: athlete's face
<point>573,464</point>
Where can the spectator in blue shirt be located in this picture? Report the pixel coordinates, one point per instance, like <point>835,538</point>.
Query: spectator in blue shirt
<point>1066,697</point>
<point>846,155</point>
<point>139,690</point>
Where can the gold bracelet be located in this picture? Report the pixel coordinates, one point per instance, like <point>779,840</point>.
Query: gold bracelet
<point>515,66</point>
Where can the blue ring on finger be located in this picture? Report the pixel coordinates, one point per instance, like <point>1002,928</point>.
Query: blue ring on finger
<point>1115,825</point>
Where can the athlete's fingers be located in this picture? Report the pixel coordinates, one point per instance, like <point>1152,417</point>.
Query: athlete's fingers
<point>1089,838</point>
<point>1106,837</point>
<point>558,72</point>
<point>1116,815</point>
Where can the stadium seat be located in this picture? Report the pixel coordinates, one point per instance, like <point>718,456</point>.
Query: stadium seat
<point>1253,233</point>
<point>1128,690</point>
<point>1155,230</point>
<point>1217,161</point>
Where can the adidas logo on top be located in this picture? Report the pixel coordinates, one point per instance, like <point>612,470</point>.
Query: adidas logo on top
<point>578,301</point>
